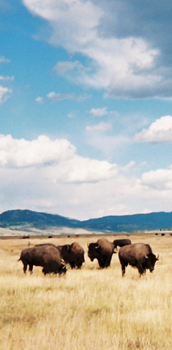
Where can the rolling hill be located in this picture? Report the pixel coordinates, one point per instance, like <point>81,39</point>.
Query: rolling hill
<point>19,219</point>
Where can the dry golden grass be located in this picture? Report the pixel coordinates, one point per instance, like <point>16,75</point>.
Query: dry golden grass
<point>88,308</point>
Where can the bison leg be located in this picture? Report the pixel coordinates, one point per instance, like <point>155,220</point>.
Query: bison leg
<point>45,270</point>
<point>72,265</point>
<point>123,266</point>
<point>123,270</point>
<point>79,264</point>
<point>141,269</point>
<point>31,268</point>
<point>24,267</point>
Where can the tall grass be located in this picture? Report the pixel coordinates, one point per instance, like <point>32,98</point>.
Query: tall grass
<point>87,308</point>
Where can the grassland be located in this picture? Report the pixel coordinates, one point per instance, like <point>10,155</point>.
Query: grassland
<point>88,308</point>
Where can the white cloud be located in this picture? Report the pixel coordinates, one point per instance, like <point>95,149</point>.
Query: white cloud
<point>4,94</point>
<point>158,131</point>
<point>99,112</point>
<point>39,99</point>
<point>99,127</point>
<point>6,78</point>
<point>160,179</point>
<point>4,60</point>
<point>58,97</point>
<point>42,151</point>
<point>48,175</point>
<point>125,67</point>
<point>54,97</point>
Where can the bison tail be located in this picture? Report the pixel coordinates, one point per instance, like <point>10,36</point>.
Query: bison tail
<point>19,259</point>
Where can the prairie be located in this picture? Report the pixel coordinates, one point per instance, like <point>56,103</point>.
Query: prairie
<point>87,308</point>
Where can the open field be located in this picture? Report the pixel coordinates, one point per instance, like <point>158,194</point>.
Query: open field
<point>87,308</point>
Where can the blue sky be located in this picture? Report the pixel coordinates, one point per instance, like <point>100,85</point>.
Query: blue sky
<point>86,106</point>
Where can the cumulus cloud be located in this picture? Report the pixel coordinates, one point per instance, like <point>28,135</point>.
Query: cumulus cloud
<point>54,97</point>
<point>49,175</point>
<point>4,60</point>
<point>4,94</point>
<point>59,153</point>
<point>99,112</point>
<point>126,66</point>
<point>99,127</point>
<point>42,151</point>
<point>6,78</point>
<point>39,99</point>
<point>158,131</point>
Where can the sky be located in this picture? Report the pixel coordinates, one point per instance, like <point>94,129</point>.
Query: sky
<point>86,106</point>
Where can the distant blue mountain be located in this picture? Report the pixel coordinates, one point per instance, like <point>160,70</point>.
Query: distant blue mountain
<point>124,223</point>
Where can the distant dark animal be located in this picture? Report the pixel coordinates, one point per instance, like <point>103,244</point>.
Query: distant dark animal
<point>50,236</point>
<point>72,254</point>
<point>44,255</point>
<point>102,250</point>
<point>138,255</point>
<point>162,234</point>
<point>25,237</point>
<point>121,242</point>
<point>156,234</point>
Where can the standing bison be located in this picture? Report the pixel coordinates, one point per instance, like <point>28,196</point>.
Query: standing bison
<point>72,254</point>
<point>138,255</point>
<point>44,255</point>
<point>121,242</point>
<point>102,250</point>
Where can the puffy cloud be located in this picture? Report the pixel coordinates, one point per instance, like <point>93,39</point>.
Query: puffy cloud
<point>6,78</point>
<point>48,175</point>
<point>85,170</point>
<point>160,179</point>
<point>54,97</point>
<point>23,153</point>
<point>39,99</point>
<point>125,67</point>
<point>158,131</point>
<point>4,94</point>
<point>99,112</point>
<point>4,60</point>
<point>99,127</point>
<point>58,97</point>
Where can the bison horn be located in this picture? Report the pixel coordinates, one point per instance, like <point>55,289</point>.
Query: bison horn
<point>97,246</point>
<point>157,257</point>
<point>146,256</point>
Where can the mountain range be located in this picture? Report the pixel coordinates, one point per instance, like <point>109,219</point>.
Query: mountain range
<point>19,219</point>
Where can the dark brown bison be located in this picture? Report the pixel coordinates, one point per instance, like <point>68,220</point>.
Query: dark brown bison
<point>121,242</point>
<point>138,255</point>
<point>44,255</point>
<point>102,250</point>
<point>72,254</point>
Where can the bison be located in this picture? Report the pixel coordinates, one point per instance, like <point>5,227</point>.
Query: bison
<point>138,255</point>
<point>72,254</point>
<point>121,242</point>
<point>102,250</point>
<point>44,255</point>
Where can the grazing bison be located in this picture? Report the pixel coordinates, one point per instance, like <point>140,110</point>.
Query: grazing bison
<point>72,254</point>
<point>44,255</point>
<point>102,250</point>
<point>138,255</point>
<point>121,242</point>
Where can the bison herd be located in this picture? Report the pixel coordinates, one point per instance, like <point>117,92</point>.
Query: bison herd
<point>53,259</point>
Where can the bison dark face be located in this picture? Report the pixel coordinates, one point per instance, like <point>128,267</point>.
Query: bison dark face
<point>150,261</point>
<point>93,251</point>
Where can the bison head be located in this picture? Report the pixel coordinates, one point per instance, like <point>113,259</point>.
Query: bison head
<point>65,252</point>
<point>93,251</point>
<point>150,261</point>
